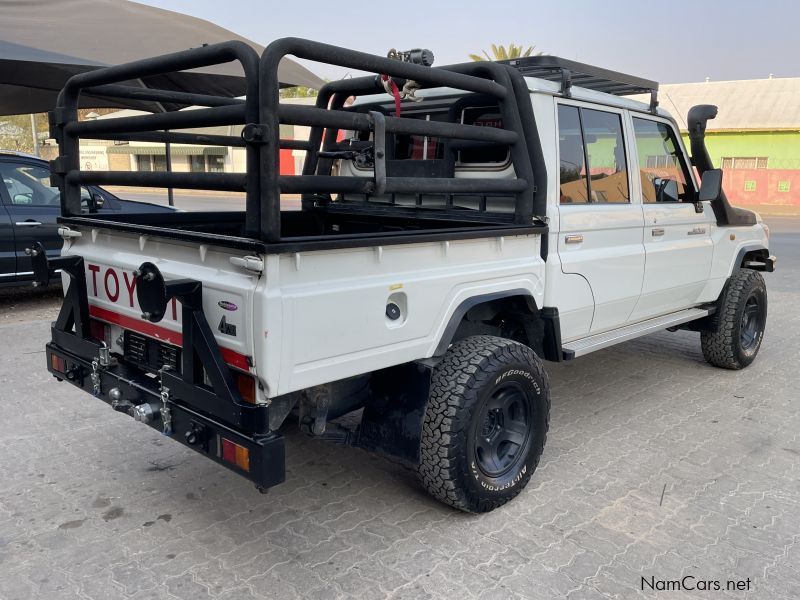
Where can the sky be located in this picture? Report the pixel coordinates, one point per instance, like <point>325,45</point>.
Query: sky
<point>671,41</point>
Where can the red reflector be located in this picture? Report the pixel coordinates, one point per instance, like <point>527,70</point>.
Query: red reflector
<point>97,330</point>
<point>58,363</point>
<point>235,454</point>
<point>246,386</point>
<point>228,451</point>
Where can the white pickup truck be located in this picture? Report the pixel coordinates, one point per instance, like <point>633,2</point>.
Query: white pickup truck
<point>459,226</point>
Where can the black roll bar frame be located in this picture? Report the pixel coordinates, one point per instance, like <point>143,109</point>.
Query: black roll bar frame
<point>261,114</point>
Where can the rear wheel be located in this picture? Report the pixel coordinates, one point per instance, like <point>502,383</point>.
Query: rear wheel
<point>485,423</point>
<point>741,321</point>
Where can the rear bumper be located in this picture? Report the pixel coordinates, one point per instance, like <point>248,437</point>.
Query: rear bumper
<point>124,387</point>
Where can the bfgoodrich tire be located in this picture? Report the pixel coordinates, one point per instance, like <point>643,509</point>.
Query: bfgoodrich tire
<point>741,321</point>
<point>485,424</point>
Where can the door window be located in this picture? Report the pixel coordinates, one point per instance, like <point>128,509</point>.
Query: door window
<point>662,169</point>
<point>29,185</point>
<point>593,165</point>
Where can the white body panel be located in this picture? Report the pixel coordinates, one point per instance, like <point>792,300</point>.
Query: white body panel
<point>610,257</point>
<point>323,314</point>
<point>678,247</point>
<point>315,317</point>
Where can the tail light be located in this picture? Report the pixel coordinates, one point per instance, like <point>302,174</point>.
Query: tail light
<point>235,454</point>
<point>58,364</point>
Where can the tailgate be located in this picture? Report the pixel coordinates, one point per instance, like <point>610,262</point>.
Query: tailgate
<point>110,259</point>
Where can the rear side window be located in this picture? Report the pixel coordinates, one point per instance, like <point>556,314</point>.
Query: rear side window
<point>664,173</point>
<point>483,116</point>
<point>417,147</point>
<point>593,164</point>
<point>572,169</point>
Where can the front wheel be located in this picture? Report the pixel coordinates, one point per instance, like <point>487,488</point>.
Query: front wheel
<point>485,423</point>
<point>741,321</point>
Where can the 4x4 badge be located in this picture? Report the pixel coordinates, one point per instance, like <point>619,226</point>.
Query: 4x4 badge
<point>225,327</point>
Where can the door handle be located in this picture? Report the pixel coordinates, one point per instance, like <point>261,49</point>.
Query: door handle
<point>28,223</point>
<point>657,232</point>
<point>574,238</point>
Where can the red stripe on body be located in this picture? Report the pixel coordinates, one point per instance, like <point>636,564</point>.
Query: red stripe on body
<point>233,358</point>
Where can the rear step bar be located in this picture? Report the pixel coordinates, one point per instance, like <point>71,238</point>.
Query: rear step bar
<point>599,341</point>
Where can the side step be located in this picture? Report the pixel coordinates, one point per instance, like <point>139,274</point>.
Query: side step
<point>599,341</point>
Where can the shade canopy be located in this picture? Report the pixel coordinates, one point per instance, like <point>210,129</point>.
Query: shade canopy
<point>44,42</point>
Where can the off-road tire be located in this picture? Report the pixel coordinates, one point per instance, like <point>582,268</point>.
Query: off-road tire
<point>474,372</point>
<point>724,347</point>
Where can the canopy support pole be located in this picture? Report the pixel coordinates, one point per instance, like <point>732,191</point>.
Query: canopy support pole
<point>168,156</point>
<point>167,153</point>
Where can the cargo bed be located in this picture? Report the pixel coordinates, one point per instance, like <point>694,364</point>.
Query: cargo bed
<point>316,229</point>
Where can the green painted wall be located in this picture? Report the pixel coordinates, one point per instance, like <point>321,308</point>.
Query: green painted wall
<point>781,147</point>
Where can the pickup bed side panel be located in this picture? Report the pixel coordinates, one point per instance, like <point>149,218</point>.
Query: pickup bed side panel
<point>326,315</point>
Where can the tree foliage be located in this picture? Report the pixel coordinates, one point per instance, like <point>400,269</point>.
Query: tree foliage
<point>298,91</point>
<point>500,52</point>
<point>15,130</point>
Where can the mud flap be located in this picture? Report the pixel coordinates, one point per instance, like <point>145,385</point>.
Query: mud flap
<point>392,420</point>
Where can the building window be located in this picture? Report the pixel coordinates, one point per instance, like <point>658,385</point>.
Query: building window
<point>197,164</point>
<point>147,162</point>
<point>216,164</point>
<point>749,185</point>
<point>143,162</point>
<point>662,161</point>
<point>744,162</point>
<point>784,186</point>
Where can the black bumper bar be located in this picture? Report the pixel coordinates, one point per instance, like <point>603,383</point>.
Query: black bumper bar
<point>199,405</point>
<point>124,388</point>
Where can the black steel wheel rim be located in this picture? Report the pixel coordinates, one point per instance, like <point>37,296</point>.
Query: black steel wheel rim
<point>750,326</point>
<point>503,430</point>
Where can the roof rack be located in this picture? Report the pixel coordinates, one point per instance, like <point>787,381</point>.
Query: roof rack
<point>569,73</point>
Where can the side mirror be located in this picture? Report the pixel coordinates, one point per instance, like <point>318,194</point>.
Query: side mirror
<point>98,200</point>
<point>711,185</point>
<point>22,199</point>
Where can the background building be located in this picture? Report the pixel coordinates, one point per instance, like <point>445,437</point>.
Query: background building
<point>104,155</point>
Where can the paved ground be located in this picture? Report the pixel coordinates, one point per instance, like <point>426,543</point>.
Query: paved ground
<point>657,465</point>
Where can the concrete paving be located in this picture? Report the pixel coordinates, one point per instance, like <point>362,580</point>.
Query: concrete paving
<point>657,467</point>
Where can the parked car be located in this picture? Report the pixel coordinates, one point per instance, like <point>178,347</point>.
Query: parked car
<point>29,207</point>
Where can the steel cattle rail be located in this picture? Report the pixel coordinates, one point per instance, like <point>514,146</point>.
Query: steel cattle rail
<point>260,115</point>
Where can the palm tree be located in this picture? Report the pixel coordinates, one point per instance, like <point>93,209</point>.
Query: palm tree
<point>501,53</point>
